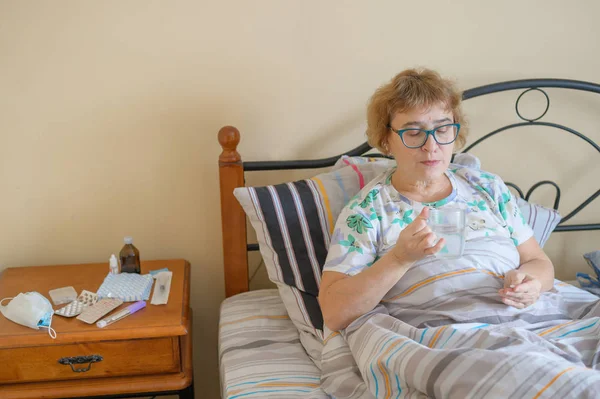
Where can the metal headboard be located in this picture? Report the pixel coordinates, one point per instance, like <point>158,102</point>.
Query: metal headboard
<point>528,85</point>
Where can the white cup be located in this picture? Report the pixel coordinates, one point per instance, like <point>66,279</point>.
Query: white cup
<point>448,223</point>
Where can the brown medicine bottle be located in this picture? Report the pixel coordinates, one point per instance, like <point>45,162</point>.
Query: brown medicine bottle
<point>129,257</point>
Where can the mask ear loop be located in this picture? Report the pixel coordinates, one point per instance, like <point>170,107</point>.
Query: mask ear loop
<point>4,299</point>
<point>51,330</point>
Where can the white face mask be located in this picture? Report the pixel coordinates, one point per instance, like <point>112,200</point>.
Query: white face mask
<point>31,310</point>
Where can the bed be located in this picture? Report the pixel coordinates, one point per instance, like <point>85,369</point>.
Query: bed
<point>273,343</point>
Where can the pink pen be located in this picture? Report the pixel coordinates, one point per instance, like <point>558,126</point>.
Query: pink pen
<point>122,314</point>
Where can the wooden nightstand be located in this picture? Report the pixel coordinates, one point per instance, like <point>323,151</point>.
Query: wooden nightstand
<point>149,352</point>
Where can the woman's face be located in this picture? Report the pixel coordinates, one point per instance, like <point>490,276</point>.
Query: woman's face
<point>428,162</point>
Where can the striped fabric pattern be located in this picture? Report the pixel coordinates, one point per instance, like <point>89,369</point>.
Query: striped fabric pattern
<point>442,331</point>
<point>293,223</point>
<point>260,354</point>
<point>542,220</point>
<point>297,238</point>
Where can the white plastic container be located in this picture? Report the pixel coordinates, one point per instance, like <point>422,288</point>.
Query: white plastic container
<point>113,264</point>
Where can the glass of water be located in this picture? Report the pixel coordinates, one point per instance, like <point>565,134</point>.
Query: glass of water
<point>448,223</point>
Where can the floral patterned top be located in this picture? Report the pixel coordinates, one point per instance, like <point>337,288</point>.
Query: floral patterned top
<point>369,225</point>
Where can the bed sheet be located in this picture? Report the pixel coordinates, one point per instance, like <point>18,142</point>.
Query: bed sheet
<point>260,355</point>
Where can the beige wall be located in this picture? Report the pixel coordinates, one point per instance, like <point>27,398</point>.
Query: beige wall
<point>109,112</point>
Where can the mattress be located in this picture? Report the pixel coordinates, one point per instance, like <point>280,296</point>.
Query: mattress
<point>260,355</point>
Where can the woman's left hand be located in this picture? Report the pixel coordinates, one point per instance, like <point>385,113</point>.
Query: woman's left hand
<point>520,289</point>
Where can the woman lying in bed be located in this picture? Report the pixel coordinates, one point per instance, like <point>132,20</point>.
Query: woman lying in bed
<point>382,233</point>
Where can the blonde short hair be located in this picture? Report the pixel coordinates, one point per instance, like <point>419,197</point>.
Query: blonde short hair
<point>410,89</point>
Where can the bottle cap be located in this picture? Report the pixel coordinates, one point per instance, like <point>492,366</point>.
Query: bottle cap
<point>128,240</point>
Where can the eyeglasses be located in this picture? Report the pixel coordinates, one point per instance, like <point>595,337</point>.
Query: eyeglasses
<point>416,138</point>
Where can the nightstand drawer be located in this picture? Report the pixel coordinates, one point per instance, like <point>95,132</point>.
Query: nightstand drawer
<point>104,359</point>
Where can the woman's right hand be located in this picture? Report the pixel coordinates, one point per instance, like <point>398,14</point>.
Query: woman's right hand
<point>416,240</point>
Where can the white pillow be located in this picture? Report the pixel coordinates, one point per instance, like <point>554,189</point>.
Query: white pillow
<point>542,220</point>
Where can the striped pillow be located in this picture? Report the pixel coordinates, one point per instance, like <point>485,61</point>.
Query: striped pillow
<point>542,220</point>
<point>293,223</point>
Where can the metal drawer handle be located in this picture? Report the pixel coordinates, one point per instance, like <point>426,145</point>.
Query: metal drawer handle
<point>80,360</point>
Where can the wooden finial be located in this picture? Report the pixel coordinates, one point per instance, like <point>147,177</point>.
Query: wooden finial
<point>229,138</point>
<point>233,218</point>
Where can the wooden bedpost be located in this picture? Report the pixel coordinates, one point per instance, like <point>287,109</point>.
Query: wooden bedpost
<point>233,218</point>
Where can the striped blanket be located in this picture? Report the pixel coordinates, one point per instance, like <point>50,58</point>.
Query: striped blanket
<point>442,332</point>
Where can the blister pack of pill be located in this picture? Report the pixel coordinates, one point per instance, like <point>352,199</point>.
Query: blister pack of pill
<point>85,299</point>
<point>91,314</point>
